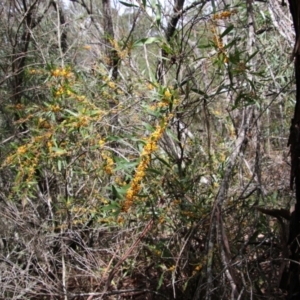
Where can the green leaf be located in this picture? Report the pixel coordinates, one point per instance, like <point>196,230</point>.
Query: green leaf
<point>161,279</point>
<point>164,162</point>
<point>158,14</point>
<point>59,165</point>
<point>119,192</point>
<point>112,138</point>
<point>251,56</point>
<point>72,113</point>
<point>167,49</point>
<point>227,30</point>
<point>155,171</point>
<point>203,46</point>
<point>128,4</point>
<point>113,206</point>
<point>232,43</point>
<point>199,92</point>
<point>146,41</point>
<point>58,151</point>
<point>115,192</point>
<point>148,127</point>
<point>124,165</point>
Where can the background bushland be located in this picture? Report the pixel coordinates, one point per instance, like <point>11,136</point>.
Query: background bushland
<point>144,149</point>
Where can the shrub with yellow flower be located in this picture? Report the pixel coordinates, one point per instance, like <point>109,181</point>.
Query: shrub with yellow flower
<point>217,39</point>
<point>149,148</point>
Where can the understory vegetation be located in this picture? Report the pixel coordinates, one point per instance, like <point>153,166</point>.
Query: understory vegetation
<point>143,149</point>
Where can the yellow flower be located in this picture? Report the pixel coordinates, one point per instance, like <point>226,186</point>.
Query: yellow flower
<point>149,148</point>
<point>120,220</point>
<point>101,143</point>
<point>69,92</point>
<point>49,145</point>
<point>129,193</point>
<point>111,84</point>
<point>104,201</point>
<point>83,121</point>
<point>59,92</point>
<point>222,157</point>
<point>19,106</point>
<point>172,268</point>
<point>81,98</point>
<point>150,86</point>
<point>215,185</point>
<point>44,124</point>
<point>167,93</point>
<point>108,170</point>
<point>224,15</point>
<point>161,220</point>
<point>162,104</point>
<point>8,160</point>
<point>64,73</point>
<point>22,149</point>
<point>55,108</point>
<point>55,73</point>
<point>109,163</point>
<point>140,174</point>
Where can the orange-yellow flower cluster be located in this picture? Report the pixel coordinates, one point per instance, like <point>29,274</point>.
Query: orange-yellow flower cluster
<point>217,38</point>
<point>36,71</point>
<point>197,269</point>
<point>149,148</point>
<point>109,163</point>
<point>224,15</point>
<point>122,53</point>
<point>59,92</point>
<point>218,42</point>
<point>61,72</point>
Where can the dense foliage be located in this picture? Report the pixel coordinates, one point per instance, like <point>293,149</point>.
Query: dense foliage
<point>144,149</point>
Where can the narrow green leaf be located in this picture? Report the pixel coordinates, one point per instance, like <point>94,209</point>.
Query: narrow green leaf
<point>148,127</point>
<point>232,43</point>
<point>251,56</point>
<point>164,162</point>
<point>72,113</point>
<point>158,14</point>
<point>199,92</point>
<point>161,279</point>
<point>155,171</point>
<point>59,165</point>
<point>126,166</point>
<point>115,192</point>
<point>128,4</point>
<point>59,151</point>
<point>227,30</point>
<point>146,41</point>
<point>203,46</point>
<point>114,205</point>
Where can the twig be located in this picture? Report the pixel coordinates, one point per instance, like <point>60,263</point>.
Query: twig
<point>128,252</point>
